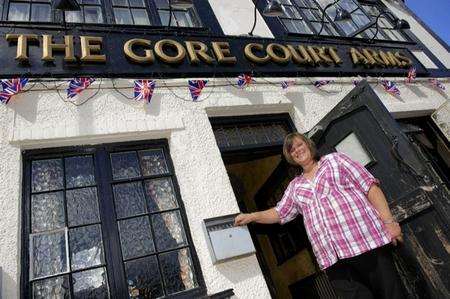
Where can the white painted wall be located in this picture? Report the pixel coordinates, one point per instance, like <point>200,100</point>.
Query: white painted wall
<point>236,17</point>
<point>397,7</point>
<point>40,118</point>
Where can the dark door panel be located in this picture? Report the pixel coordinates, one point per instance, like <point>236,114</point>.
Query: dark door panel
<point>417,197</point>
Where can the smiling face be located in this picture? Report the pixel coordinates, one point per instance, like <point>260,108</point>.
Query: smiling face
<point>300,152</point>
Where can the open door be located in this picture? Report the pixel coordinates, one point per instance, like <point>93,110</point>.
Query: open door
<point>361,127</point>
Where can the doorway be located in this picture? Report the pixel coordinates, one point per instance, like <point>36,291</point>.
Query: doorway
<point>251,148</point>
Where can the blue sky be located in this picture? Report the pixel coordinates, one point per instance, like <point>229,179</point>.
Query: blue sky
<point>434,13</point>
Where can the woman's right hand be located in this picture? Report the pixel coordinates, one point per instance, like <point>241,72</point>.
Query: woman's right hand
<point>243,219</point>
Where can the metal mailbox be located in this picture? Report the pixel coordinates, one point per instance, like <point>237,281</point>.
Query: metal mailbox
<point>226,241</point>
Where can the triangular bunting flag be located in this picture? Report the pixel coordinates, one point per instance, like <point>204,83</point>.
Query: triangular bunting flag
<point>390,87</point>
<point>286,84</point>
<point>320,83</point>
<point>411,75</point>
<point>244,80</point>
<point>143,90</point>
<point>11,87</point>
<point>195,87</point>
<point>77,85</point>
<point>436,84</point>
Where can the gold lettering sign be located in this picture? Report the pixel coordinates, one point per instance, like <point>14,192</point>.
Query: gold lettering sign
<point>22,44</point>
<point>170,51</point>
<point>161,54</point>
<point>130,54</point>
<point>90,46</point>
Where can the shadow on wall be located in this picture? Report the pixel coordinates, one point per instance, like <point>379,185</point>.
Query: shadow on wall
<point>239,270</point>
<point>8,286</point>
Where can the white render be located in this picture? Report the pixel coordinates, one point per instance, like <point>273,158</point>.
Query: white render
<point>40,118</point>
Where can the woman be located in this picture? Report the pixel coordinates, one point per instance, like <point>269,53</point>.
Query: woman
<point>346,217</point>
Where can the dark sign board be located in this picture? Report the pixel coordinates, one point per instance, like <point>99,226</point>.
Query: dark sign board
<point>35,53</point>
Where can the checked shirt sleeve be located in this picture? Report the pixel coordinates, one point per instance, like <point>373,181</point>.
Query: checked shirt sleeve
<point>287,208</point>
<point>357,173</point>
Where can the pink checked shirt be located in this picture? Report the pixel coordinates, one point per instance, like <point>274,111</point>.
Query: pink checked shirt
<point>339,219</point>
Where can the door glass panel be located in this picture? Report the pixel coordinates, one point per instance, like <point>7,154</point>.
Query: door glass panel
<point>48,254</point>
<point>90,284</point>
<point>178,271</point>
<point>82,206</point>
<point>129,199</point>
<point>47,211</point>
<point>143,278</point>
<point>56,287</point>
<point>136,237</point>
<point>352,147</point>
<point>169,232</point>
<point>86,248</point>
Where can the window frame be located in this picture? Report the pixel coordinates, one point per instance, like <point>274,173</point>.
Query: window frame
<point>278,28</point>
<point>113,261</point>
<point>206,18</point>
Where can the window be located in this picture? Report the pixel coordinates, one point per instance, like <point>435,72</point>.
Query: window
<point>91,12</point>
<point>180,17</point>
<point>34,11</point>
<point>305,17</point>
<point>105,222</point>
<point>130,12</point>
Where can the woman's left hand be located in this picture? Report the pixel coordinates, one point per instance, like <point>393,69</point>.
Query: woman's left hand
<point>395,232</point>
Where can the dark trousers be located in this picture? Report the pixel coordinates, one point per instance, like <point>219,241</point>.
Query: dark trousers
<point>369,275</point>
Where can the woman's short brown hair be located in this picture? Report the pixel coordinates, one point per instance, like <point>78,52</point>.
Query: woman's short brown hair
<point>287,146</point>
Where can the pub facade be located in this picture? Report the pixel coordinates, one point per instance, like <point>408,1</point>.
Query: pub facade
<point>128,144</point>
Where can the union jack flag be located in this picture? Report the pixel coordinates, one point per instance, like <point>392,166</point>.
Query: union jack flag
<point>11,87</point>
<point>411,75</point>
<point>320,83</point>
<point>195,87</point>
<point>244,80</point>
<point>143,90</point>
<point>77,85</point>
<point>286,84</point>
<point>390,87</point>
<point>435,83</point>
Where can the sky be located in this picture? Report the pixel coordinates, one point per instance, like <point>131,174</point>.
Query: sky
<point>434,13</point>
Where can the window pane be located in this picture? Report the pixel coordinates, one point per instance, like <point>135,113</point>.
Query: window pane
<point>40,13</point>
<point>153,162</point>
<point>123,16</point>
<point>93,14</point>
<point>56,287</point>
<point>86,249</point>
<point>90,284</point>
<point>162,3</point>
<point>47,175</point>
<point>74,17</point>
<point>140,17</point>
<point>47,211</point>
<point>360,19</point>
<point>79,171</point>
<point>291,12</point>
<point>19,12</point>
<point>125,165</point>
<point>120,2</point>
<point>137,3</point>
<point>136,237</point>
<point>129,199</point>
<point>160,194</point>
<point>164,16</point>
<point>94,2</point>
<point>301,27</point>
<point>348,5</point>
<point>82,206</point>
<point>178,271</point>
<point>143,278</point>
<point>48,254</point>
<point>352,147</point>
<point>169,232</point>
